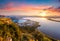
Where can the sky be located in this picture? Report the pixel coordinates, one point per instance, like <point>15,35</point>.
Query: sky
<point>23,6</point>
<point>54,3</point>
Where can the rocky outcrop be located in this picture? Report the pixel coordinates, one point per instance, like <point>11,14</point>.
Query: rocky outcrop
<point>29,23</point>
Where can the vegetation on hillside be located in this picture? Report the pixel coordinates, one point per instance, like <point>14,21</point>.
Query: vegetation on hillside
<point>10,30</point>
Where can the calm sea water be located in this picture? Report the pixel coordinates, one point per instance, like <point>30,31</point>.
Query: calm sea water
<point>51,28</point>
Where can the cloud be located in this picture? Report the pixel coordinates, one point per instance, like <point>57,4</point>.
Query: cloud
<point>59,0</point>
<point>24,7</point>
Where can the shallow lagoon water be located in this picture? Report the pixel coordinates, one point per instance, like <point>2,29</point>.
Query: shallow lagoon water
<point>48,27</point>
<point>22,21</point>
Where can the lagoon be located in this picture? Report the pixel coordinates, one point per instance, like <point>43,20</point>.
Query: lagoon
<point>48,27</point>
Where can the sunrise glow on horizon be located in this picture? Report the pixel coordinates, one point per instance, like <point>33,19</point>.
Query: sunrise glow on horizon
<point>30,7</point>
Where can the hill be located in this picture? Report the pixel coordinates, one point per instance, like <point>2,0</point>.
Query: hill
<point>10,31</point>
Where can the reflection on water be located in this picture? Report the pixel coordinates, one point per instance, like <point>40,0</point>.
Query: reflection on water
<point>51,28</point>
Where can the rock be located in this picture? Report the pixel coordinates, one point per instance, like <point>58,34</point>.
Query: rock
<point>24,22</point>
<point>4,20</point>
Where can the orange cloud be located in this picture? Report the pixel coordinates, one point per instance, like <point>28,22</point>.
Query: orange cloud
<point>24,7</point>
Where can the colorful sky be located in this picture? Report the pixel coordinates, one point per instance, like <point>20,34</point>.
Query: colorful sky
<point>55,3</point>
<point>28,7</point>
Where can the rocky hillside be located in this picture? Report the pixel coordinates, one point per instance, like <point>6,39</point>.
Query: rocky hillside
<point>9,31</point>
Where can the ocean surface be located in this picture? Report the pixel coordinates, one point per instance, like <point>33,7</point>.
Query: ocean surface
<point>48,27</point>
